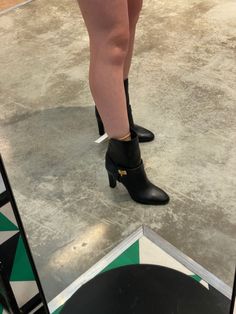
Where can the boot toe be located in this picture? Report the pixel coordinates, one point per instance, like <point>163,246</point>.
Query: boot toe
<point>157,196</point>
<point>151,196</point>
<point>144,135</point>
<point>162,197</point>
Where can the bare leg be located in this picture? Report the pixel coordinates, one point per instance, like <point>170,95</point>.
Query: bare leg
<point>108,27</point>
<point>134,8</point>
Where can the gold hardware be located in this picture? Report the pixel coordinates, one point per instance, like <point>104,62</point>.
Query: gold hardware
<point>122,172</point>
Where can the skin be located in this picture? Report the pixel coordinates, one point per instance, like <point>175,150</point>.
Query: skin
<point>134,9</point>
<point>111,27</point>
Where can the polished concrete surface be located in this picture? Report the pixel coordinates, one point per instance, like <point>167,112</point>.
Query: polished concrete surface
<point>182,86</point>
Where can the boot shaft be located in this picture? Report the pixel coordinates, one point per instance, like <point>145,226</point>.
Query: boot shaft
<point>125,153</point>
<point>129,109</point>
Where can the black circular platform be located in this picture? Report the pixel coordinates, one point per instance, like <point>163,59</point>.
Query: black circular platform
<point>142,289</point>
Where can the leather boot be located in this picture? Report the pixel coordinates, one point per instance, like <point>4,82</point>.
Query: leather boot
<point>144,135</point>
<point>124,164</point>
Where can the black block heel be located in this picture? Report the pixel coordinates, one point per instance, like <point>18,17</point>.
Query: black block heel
<point>112,180</point>
<point>101,129</point>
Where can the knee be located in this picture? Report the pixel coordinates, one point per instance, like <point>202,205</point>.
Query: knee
<point>115,46</point>
<point>118,45</point>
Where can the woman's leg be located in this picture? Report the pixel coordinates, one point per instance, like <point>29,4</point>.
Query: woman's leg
<point>108,27</point>
<point>134,9</point>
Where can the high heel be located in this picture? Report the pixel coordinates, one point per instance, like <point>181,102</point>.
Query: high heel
<point>112,180</point>
<point>124,164</point>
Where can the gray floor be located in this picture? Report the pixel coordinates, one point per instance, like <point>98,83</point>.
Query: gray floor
<point>183,87</point>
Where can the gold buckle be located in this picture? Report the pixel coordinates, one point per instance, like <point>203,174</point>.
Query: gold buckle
<point>122,172</point>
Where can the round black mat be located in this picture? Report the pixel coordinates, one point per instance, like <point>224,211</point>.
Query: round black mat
<point>142,289</point>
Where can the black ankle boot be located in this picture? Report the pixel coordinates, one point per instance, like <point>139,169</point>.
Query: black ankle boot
<point>124,164</point>
<point>144,135</point>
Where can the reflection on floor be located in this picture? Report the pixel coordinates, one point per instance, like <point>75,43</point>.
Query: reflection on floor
<point>183,73</point>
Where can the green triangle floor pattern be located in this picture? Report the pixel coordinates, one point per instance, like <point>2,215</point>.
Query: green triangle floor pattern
<point>58,311</point>
<point>128,257</point>
<point>22,270</point>
<point>196,277</point>
<point>2,310</point>
<point>6,224</point>
<point>132,256</point>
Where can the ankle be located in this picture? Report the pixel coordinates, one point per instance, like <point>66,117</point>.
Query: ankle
<point>125,138</point>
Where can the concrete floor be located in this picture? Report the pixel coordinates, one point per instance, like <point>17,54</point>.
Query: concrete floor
<point>183,73</point>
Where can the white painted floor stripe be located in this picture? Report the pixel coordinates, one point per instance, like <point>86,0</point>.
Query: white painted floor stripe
<point>190,264</point>
<point>150,253</point>
<point>94,270</point>
<point>102,138</point>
